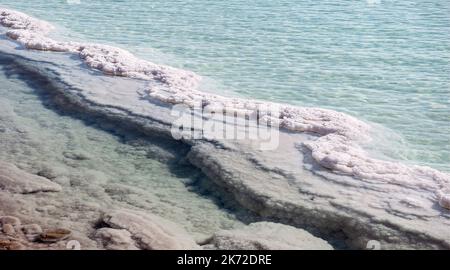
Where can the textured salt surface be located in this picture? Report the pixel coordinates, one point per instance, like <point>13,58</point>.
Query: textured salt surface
<point>97,171</point>
<point>268,236</point>
<point>356,198</point>
<point>273,183</point>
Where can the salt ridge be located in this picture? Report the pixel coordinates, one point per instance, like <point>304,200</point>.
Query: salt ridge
<point>336,149</point>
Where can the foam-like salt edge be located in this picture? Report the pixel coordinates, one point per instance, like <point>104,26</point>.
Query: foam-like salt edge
<point>32,33</point>
<point>336,149</point>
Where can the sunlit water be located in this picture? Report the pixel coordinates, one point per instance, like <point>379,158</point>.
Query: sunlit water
<point>387,62</point>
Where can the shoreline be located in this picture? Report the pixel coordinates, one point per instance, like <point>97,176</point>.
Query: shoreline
<point>210,158</point>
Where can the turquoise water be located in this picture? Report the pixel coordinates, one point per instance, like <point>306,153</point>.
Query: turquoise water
<point>387,62</point>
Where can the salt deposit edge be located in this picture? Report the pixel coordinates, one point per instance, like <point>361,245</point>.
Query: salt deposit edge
<point>247,184</point>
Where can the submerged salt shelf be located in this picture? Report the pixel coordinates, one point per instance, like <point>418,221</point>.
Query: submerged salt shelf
<point>319,178</point>
<point>97,171</point>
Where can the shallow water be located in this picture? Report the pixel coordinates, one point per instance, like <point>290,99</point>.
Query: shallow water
<point>383,61</point>
<point>99,167</point>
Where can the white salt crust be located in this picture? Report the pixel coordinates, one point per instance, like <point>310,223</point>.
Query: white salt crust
<point>336,149</point>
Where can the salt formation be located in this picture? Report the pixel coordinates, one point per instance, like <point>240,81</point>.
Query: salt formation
<point>340,154</point>
<point>19,20</point>
<point>15,180</point>
<point>268,236</point>
<point>89,164</point>
<point>17,236</point>
<point>116,239</point>
<point>444,200</point>
<point>32,33</point>
<point>149,231</point>
<point>350,196</point>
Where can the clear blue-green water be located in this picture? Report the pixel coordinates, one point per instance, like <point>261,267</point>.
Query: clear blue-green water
<point>387,62</point>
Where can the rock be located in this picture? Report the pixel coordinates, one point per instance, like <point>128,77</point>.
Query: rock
<point>8,229</point>
<point>79,156</point>
<point>48,173</point>
<point>11,245</point>
<point>268,236</point>
<point>16,246</point>
<point>116,239</point>
<point>32,232</point>
<point>53,236</point>
<point>10,220</point>
<point>15,180</point>
<point>4,244</point>
<point>150,231</point>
